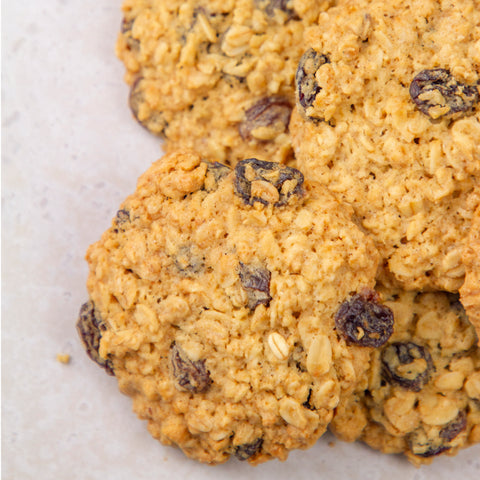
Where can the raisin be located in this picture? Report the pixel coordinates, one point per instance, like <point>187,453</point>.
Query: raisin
<point>256,281</point>
<point>437,441</point>
<point>287,180</point>
<point>90,328</point>
<point>126,29</point>
<point>271,112</point>
<point>127,25</point>
<point>297,358</point>
<point>269,7</point>
<point>364,321</point>
<point>307,87</point>
<point>189,375</point>
<point>216,171</point>
<point>457,306</point>
<point>438,94</point>
<point>122,217</point>
<point>247,450</point>
<point>430,450</point>
<point>422,446</point>
<point>398,356</point>
<point>155,123</point>
<point>455,427</point>
<point>188,262</point>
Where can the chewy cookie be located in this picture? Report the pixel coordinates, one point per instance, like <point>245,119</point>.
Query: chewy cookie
<point>388,117</point>
<point>233,306</point>
<point>216,75</point>
<point>422,394</point>
<point>470,290</point>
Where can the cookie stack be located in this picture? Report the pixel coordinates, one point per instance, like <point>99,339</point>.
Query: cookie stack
<point>305,254</point>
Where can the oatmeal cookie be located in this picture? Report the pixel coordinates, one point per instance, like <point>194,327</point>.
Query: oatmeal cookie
<point>470,290</point>
<point>422,394</point>
<point>388,117</point>
<point>216,75</point>
<point>233,306</point>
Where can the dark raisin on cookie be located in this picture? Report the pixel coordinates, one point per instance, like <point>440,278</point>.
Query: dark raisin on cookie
<point>438,94</point>
<point>287,180</point>
<point>90,328</point>
<point>216,172</point>
<point>122,217</point>
<point>269,7</point>
<point>126,30</point>
<point>428,450</point>
<point>120,220</point>
<point>256,282</point>
<point>247,450</point>
<point>363,320</point>
<point>188,261</point>
<point>422,445</point>
<point>437,441</point>
<point>127,25</point>
<point>189,375</point>
<point>456,305</point>
<point>407,364</point>
<point>271,112</point>
<point>297,358</point>
<point>155,123</point>
<point>455,427</point>
<point>307,87</point>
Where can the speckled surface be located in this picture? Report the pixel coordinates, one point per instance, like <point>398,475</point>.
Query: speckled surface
<point>70,154</point>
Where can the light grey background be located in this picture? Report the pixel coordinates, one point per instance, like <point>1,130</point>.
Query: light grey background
<point>70,154</point>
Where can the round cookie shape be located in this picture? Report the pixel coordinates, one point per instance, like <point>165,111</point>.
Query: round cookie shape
<point>215,76</point>
<point>421,396</point>
<point>470,290</point>
<point>388,116</point>
<point>217,308</point>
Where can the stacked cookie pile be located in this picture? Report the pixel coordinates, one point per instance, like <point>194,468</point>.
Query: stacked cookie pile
<point>305,255</point>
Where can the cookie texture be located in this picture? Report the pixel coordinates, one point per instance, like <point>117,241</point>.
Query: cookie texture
<point>216,76</point>
<point>218,290</point>
<point>422,394</point>
<point>387,115</point>
<point>470,290</point>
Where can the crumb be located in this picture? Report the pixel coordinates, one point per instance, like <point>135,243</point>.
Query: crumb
<point>331,444</point>
<point>63,358</point>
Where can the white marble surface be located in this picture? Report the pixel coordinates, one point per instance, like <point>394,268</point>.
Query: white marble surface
<point>70,154</point>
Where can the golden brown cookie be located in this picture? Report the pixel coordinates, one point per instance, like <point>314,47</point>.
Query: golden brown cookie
<point>470,290</point>
<point>216,75</point>
<point>233,306</point>
<point>422,395</point>
<point>388,118</point>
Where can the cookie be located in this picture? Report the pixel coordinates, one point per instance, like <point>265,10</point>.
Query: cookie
<point>422,394</point>
<point>215,76</point>
<point>233,306</point>
<point>470,290</point>
<point>388,117</point>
